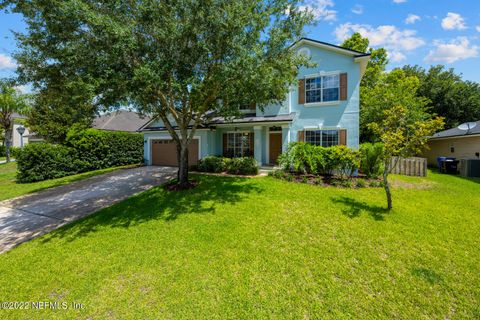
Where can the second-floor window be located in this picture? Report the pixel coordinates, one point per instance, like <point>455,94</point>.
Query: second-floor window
<point>322,89</point>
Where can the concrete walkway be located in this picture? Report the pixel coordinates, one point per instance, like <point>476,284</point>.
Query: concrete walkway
<point>30,216</point>
<point>5,161</point>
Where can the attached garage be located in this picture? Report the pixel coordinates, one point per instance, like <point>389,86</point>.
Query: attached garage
<point>164,152</point>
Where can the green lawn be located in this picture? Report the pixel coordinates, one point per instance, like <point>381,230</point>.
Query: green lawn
<point>10,189</point>
<point>261,248</point>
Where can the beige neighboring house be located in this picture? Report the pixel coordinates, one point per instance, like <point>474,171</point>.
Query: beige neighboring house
<point>121,120</point>
<point>454,143</point>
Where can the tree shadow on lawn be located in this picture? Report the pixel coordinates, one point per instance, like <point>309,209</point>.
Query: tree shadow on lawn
<point>158,203</point>
<point>354,208</point>
<point>428,275</point>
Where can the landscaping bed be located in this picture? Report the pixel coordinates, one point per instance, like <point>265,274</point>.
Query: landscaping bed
<point>360,181</point>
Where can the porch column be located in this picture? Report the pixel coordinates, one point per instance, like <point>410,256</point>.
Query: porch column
<point>285,137</point>
<point>257,145</point>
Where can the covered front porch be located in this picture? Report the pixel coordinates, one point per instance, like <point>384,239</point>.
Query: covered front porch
<point>265,142</point>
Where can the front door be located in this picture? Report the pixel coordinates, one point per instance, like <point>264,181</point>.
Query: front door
<point>275,146</point>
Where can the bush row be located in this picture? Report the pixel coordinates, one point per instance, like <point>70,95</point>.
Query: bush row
<point>304,158</point>
<point>84,150</point>
<point>241,166</point>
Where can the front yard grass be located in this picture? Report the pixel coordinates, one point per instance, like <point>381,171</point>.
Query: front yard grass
<point>10,189</point>
<point>239,248</point>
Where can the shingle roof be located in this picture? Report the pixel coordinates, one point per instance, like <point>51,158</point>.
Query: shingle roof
<point>121,120</point>
<point>245,119</point>
<point>248,119</point>
<point>454,132</point>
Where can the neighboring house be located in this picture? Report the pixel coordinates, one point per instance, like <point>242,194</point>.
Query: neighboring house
<point>121,120</point>
<point>322,109</point>
<point>455,143</point>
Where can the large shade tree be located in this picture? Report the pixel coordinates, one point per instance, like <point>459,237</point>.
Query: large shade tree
<point>59,107</point>
<point>11,101</point>
<point>182,61</point>
<point>451,97</point>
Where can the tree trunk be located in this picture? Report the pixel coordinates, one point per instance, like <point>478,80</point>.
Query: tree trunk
<point>182,155</point>
<point>8,143</point>
<point>386,185</point>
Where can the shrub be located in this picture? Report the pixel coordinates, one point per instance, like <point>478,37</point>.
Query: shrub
<point>242,166</point>
<point>371,159</point>
<point>212,164</point>
<point>104,149</point>
<point>299,157</point>
<point>361,183</point>
<point>42,161</point>
<point>345,160</point>
<point>279,174</point>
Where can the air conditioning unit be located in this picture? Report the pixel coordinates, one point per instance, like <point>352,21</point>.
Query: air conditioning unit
<point>470,167</point>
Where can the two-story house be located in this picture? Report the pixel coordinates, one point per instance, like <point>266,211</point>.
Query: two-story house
<point>322,109</point>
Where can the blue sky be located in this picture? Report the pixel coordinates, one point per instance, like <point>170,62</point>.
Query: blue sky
<point>420,32</point>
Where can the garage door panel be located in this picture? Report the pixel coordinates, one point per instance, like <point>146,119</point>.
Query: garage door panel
<point>164,152</point>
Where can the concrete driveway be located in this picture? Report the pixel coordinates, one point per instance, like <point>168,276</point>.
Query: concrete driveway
<point>29,216</point>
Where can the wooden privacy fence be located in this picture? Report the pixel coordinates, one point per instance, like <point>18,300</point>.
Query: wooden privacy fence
<point>410,166</point>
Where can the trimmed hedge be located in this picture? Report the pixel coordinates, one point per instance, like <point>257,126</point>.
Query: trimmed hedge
<point>105,149</point>
<point>85,150</point>
<point>240,166</point>
<point>42,161</point>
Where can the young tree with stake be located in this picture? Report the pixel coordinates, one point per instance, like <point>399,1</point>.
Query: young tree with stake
<point>404,134</point>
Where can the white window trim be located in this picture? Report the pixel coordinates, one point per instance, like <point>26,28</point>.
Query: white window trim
<point>322,103</point>
<point>242,131</point>
<point>321,136</point>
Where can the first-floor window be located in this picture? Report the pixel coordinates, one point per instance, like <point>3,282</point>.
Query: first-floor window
<point>324,138</point>
<point>239,144</point>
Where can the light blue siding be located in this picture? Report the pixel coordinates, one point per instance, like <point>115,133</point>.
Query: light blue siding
<point>334,115</point>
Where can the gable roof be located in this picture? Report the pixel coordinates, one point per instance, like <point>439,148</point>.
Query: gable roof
<point>455,132</point>
<point>121,120</point>
<point>330,47</point>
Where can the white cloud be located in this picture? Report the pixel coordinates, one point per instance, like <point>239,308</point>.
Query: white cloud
<point>477,28</point>
<point>453,21</point>
<point>6,62</point>
<point>399,1</point>
<point>396,56</point>
<point>396,41</point>
<point>357,9</point>
<point>454,50</point>
<point>321,9</point>
<point>412,18</point>
<point>22,89</point>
